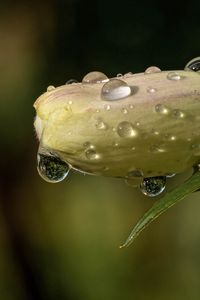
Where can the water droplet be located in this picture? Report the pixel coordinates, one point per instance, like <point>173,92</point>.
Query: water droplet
<point>127,130</point>
<point>92,154</point>
<point>124,110</point>
<point>71,81</point>
<point>193,65</point>
<point>107,107</point>
<point>174,76</point>
<point>100,124</point>
<point>178,113</point>
<point>129,74</point>
<point>153,186</point>
<point>151,90</point>
<point>88,145</point>
<point>156,149</point>
<point>95,77</point>
<point>155,132</point>
<point>115,89</point>
<point>162,109</point>
<point>134,173</point>
<point>115,144</point>
<point>50,88</point>
<point>152,69</point>
<point>119,75</point>
<point>70,102</point>
<point>51,168</point>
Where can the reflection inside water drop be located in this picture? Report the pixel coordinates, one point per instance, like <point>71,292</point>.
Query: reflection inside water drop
<point>153,186</point>
<point>51,168</point>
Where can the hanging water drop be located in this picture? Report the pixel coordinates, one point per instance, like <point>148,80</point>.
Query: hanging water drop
<point>115,89</point>
<point>51,168</point>
<point>152,69</point>
<point>193,65</point>
<point>153,186</point>
<point>127,130</point>
<point>174,76</point>
<point>95,77</point>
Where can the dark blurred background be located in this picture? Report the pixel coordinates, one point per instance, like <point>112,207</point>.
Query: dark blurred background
<point>61,241</point>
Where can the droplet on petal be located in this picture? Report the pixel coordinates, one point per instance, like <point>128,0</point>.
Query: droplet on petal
<point>174,76</point>
<point>178,113</point>
<point>129,74</point>
<point>135,174</point>
<point>71,81</point>
<point>95,77</point>
<point>152,69</point>
<point>50,88</point>
<point>115,89</point>
<point>151,90</point>
<point>127,130</point>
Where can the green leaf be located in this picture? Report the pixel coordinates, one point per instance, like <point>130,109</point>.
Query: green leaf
<point>163,204</point>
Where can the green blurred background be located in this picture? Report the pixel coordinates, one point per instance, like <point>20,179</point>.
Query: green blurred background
<point>61,241</point>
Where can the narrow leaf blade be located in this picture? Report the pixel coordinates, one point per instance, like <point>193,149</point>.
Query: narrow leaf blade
<point>163,204</point>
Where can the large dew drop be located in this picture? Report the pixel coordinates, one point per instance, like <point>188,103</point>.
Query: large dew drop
<point>127,130</point>
<point>153,186</point>
<point>115,89</point>
<point>95,77</point>
<point>51,168</point>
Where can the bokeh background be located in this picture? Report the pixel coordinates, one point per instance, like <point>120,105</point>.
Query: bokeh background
<point>61,241</point>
